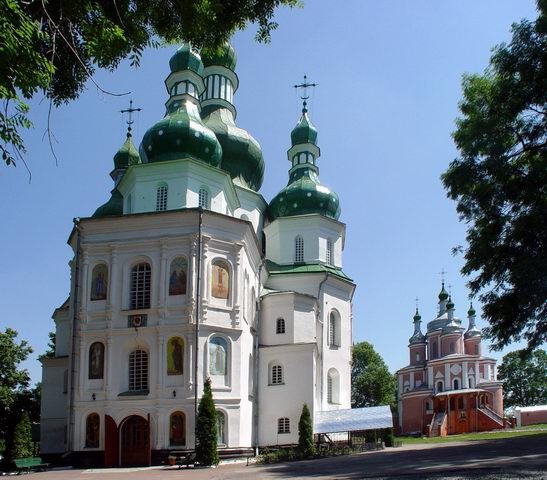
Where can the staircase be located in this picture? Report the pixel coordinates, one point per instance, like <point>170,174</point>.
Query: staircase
<point>492,415</point>
<point>436,424</point>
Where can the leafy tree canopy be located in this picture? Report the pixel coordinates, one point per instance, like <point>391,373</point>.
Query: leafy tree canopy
<point>11,377</point>
<point>50,352</point>
<point>524,376</point>
<point>371,382</point>
<point>500,184</point>
<point>55,47</point>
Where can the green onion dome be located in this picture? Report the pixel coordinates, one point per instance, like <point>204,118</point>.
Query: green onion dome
<point>471,312</point>
<point>443,294</point>
<point>223,56</point>
<point>304,193</point>
<point>305,131</point>
<point>186,59</point>
<point>450,305</point>
<point>417,317</point>
<point>241,154</point>
<point>114,206</point>
<point>127,155</point>
<point>182,133</point>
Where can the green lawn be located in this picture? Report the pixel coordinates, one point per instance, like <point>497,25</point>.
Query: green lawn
<point>525,431</point>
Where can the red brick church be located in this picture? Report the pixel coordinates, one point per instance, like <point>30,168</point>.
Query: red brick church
<point>449,387</point>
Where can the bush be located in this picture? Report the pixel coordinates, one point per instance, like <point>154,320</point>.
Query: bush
<point>206,428</point>
<point>22,438</point>
<point>305,433</point>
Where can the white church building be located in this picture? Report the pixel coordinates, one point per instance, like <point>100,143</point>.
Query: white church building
<point>188,273</point>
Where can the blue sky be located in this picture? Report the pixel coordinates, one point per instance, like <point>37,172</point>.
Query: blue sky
<point>389,75</point>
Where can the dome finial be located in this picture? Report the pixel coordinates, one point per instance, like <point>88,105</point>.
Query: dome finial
<point>304,86</point>
<point>130,120</point>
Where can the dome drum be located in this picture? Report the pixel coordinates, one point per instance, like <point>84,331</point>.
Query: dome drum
<point>223,72</point>
<point>211,104</point>
<point>182,76</point>
<point>302,148</point>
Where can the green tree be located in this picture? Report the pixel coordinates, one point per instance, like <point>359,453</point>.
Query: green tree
<point>206,428</point>
<point>371,382</point>
<point>500,184</point>
<point>305,433</point>
<point>524,376</point>
<point>50,352</point>
<point>22,438</point>
<point>55,47</point>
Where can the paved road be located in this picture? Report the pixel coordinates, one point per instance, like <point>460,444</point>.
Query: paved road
<point>522,457</point>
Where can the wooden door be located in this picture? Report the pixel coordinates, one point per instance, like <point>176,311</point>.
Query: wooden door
<point>135,442</point>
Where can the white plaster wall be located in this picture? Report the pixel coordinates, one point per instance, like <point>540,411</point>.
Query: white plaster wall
<point>285,400</point>
<point>54,406</point>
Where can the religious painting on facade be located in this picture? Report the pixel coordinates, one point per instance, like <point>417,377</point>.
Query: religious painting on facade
<point>177,429</point>
<point>218,350</point>
<point>177,276</point>
<point>92,430</point>
<point>99,282</point>
<point>96,360</point>
<point>220,280</point>
<point>175,356</point>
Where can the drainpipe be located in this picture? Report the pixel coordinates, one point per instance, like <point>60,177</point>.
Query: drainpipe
<point>198,302</point>
<point>75,303</point>
<point>256,363</point>
<point>320,309</point>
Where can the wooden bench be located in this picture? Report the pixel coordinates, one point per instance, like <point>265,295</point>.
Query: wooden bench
<point>186,460</point>
<point>30,463</point>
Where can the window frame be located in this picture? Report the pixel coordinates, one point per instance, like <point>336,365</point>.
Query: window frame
<point>280,326</point>
<point>299,249</point>
<point>283,425</point>
<point>204,198</point>
<point>140,286</point>
<point>276,374</point>
<point>138,371</point>
<point>162,192</point>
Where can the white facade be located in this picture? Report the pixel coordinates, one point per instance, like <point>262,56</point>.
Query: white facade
<point>127,355</point>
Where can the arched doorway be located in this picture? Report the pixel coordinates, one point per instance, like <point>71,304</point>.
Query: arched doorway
<point>135,442</point>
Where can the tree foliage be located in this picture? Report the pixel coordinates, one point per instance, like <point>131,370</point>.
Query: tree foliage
<point>55,47</point>
<point>371,383</point>
<point>500,184</point>
<point>305,433</point>
<point>524,376</point>
<point>50,352</point>
<point>206,428</point>
<point>11,377</point>
<point>22,438</point>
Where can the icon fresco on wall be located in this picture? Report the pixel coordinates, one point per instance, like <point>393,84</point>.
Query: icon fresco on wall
<point>177,277</point>
<point>217,356</point>
<point>177,433</point>
<point>220,280</point>
<point>96,360</point>
<point>99,282</point>
<point>93,426</point>
<point>175,356</point>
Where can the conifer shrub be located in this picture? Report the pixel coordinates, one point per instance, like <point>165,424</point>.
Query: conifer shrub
<point>22,438</point>
<point>206,428</point>
<point>305,433</point>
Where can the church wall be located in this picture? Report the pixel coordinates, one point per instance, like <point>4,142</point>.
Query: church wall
<point>54,405</point>
<point>285,400</point>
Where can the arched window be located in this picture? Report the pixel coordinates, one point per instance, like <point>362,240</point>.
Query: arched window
<point>92,430</point>
<point>439,386</point>
<point>333,386</point>
<point>218,356</point>
<point>99,282</point>
<point>177,429</point>
<point>138,370</point>
<point>334,330</point>
<point>221,428</point>
<point>140,286</point>
<point>276,375</point>
<point>177,276</point>
<point>330,257</point>
<point>452,347</point>
<point>435,350</point>
<point>220,279</point>
<point>283,425</point>
<point>175,356</point>
<point>161,198</point>
<point>96,360</point>
<point>203,198</point>
<point>280,325</point>
<point>298,249</point>
<point>476,349</point>
<point>417,356</point>
<point>456,384</point>
<point>471,382</point>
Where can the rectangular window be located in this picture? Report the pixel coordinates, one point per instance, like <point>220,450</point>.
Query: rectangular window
<point>161,198</point>
<point>330,260</point>
<point>299,249</point>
